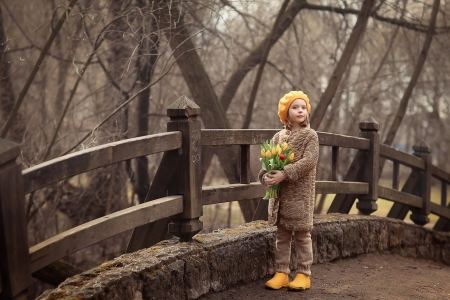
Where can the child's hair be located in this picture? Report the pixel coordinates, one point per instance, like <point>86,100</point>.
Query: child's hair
<point>288,125</point>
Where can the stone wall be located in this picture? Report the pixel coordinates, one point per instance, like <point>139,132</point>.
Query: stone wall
<point>219,260</point>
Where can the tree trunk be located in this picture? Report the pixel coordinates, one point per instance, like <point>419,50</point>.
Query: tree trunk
<point>270,42</point>
<point>6,89</point>
<point>415,77</point>
<point>145,66</point>
<point>336,77</point>
<point>256,54</point>
<point>213,116</point>
<point>412,83</point>
<point>352,127</point>
<point>15,110</point>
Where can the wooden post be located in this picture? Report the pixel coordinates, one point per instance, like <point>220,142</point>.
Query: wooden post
<point>15,258</point>
<point>369,130</point>
<point>420,216</point>
<point>188,179</point>
<point>334,164</point>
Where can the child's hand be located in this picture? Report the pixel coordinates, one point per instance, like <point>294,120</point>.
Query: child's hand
<point>274,178</point>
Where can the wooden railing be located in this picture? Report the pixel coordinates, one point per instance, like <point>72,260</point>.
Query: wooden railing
<point>176,196</point>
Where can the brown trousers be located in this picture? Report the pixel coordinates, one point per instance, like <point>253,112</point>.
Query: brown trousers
<point>303,245</point>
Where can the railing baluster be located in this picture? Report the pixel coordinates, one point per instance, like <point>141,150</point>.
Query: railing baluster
<point>395,179</point>
<point>443,193</point>
<point>245,164</point>
<point>334,163</point>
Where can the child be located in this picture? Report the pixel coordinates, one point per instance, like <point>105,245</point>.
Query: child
<point>292,211</point>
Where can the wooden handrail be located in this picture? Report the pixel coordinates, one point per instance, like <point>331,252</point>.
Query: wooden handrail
<point>223,137</point>
<point>399,197</point>
<point>440,174</point>
<point>237,192</point>
<point>440,210</point>
<point>102,228</point>
<point>80,162</point>
<point>404,158</point>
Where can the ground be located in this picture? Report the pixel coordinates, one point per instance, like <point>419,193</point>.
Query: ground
<point>371,276</point>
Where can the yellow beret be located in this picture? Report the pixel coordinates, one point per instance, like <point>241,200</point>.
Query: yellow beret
<point>286,101</point>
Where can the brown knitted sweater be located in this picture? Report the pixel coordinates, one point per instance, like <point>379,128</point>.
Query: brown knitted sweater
<point>295,206</point>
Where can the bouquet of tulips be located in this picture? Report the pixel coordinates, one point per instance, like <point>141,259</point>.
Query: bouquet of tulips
<point>274,157</point>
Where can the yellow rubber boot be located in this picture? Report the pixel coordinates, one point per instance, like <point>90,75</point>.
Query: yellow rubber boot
<point>300,283</point>
<point>278,281</point>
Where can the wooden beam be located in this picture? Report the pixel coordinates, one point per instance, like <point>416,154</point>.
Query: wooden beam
<point>245,164</point>
<point>342,141</point>
<point>221,137</point>
<point>399,210</point>
<point>344,187</point>
<point>232,192</point>
<point>342,203</point>
<point>402,157</point>
<point>395,177</point>
<point>440,211</point>
<point>80,162</point>
<point>399,197</point>
<point>335,163</point>
<point>97,230</point>
<point>440,174</point>
<point>149,234</point>
<point>14,259</point>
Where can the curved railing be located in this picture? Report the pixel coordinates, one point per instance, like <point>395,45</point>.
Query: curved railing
<point>184,198</point>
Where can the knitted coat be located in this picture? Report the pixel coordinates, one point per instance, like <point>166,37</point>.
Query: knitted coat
<point>294,207</point>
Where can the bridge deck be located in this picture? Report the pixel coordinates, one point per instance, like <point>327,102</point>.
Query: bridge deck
<point>369,276</point>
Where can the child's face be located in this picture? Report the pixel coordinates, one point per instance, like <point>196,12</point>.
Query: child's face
<point>298,112</point>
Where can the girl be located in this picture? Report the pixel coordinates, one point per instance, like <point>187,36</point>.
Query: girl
<point>292,211</point>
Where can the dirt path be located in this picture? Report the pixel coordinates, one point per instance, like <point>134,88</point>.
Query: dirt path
<point>371,276</point>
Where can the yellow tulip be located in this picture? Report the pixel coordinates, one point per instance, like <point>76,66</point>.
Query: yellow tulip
<point>274,150</point>
<point>263,154</point>
<point>268,154</point>
<point>285,145</point>
<point>278,149</point>
<point>291,157</point>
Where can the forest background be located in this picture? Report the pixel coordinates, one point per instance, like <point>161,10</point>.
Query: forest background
<point>76,74</point>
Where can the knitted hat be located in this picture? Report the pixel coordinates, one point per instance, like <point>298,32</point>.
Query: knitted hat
<point>286,101</point>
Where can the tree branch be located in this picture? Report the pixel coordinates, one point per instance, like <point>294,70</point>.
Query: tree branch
<point>24,91</point>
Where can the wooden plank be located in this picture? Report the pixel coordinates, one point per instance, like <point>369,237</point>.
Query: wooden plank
<point>439,210</point>
<point>344,187</point>
<point>342,203</point>
<point>261,212</point>
<point>440,174</point>
<point>97,230</point>
<point>399,197</point>
<point>334,163</point>
<point>8,151</point>
<point>395,177</point>
<point>14,259</point>
<point>442,224</point>
<point>399,210</point>
<point>245,164</point>
<point>149,234</point>
<point>79,162</point>
<point>343,141</point>
<point>402,157</point>
<point>233,192</point>
<point>443,193</point>
<point>220,137</point>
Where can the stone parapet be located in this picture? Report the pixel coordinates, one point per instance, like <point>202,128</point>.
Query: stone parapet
<point>216,261</point>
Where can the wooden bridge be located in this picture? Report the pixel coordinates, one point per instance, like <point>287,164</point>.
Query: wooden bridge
<point>176,197</point>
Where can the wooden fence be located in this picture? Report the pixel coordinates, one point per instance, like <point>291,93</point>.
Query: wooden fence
<point>176,196</point>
